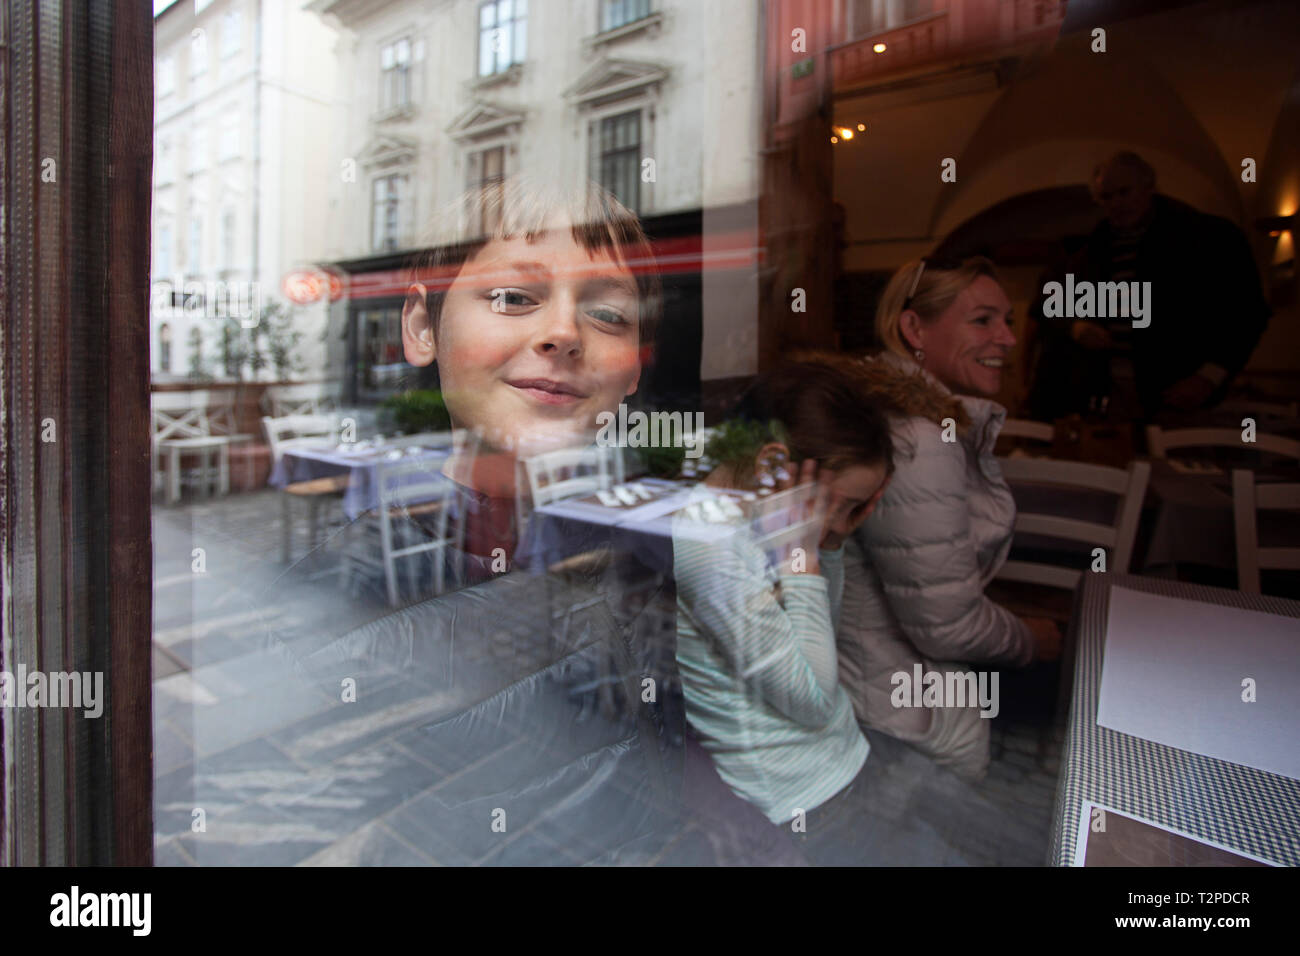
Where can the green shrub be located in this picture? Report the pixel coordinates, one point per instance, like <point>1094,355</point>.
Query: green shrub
<point>418,410</point>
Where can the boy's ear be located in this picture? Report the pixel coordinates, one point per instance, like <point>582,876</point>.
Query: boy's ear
<point>417,329</point>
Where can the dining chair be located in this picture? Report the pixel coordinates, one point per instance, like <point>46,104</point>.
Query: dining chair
<point>280,401</point>
<point>1248,499</point>
<point>1161,441</point>
<point>291,431</point>
<point>411,495</point>
<point>223,420</point>
<point>181,427</point>
<point>1128,484</point>
<point>1024,428</point>
<point>283,434</point>
<point>569,472</point>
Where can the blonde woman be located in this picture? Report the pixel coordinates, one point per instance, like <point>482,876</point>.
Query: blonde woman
<point>915,574</point>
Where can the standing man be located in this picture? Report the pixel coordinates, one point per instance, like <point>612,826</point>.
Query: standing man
<point>1207,308</point>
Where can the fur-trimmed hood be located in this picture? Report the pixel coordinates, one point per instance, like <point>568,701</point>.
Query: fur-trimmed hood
<point>904,388</point>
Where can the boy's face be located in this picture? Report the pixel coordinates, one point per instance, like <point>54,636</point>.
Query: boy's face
<point>535,339</point>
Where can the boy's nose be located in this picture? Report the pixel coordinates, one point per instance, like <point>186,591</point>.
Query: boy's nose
<point>559,332</point>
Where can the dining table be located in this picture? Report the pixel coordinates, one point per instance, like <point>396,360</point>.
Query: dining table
<point>359,461</point>
<point>1168,805</point>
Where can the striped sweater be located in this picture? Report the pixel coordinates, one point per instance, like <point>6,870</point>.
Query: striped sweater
<point>759,671</point>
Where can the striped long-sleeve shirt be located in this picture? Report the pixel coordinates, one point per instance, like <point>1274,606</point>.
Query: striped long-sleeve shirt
<point>760,674</point>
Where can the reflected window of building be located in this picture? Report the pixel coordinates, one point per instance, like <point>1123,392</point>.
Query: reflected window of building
<point>502,25</point>
<point>873,16</point>
<point>386,212</point>
<point>164,167</point>
<point>232,27</point>
<point>164,348</point>
<point>228,239</point>
<point>616,156</point>
<point>395,74</point>
<point>229,136</point>
<point>198,148</point>
<point>162,251</point>
<point>198,64</point>
<point>194,258</point>
<point>618,13</point>
<point>381,363</point>
<point>487,171</point>
<point>165,76</point>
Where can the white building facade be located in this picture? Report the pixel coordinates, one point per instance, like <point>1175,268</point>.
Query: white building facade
<point>244,95</point>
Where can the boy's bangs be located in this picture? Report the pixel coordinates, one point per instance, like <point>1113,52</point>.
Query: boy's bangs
<point>597,222</point>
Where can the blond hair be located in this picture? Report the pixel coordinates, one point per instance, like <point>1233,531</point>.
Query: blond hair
<point>928,294</point>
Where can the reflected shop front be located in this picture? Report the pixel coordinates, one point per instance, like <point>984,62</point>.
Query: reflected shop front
<point>651,433</point>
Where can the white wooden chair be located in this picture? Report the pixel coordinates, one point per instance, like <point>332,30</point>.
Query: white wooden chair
<point>1261,408</point>
<point>1024,428</point>
<point>407,490</point>
<point>292,431</point>
<point>1249,498</point>
<point>180,427</point>
<point>569,473</point>
<point>1129,484</point>
<point>312,398</point>
<point>1160,441</point>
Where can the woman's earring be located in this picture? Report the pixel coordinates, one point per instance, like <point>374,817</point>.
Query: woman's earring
<point>920,357</point>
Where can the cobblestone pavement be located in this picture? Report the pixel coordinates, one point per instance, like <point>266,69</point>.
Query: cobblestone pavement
<point>257,765</point>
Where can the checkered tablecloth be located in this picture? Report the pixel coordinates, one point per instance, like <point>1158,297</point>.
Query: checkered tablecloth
<point>1249,810</point>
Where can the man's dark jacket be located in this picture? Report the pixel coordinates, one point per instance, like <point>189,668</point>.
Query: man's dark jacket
<point>1206,307</point>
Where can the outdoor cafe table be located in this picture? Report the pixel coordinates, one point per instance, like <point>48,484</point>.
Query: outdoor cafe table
<point>561,528</point>
<point>1246,810</point>
<point>305,463</point>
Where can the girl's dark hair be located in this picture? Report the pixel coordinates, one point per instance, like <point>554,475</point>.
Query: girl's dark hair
<point>815,410</point>
<point>522,207</point>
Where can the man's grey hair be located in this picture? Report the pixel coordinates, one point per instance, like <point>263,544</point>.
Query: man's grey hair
<point>1129,160</point>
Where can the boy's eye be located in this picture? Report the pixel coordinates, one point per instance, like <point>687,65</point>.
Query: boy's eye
<point>608,316</point>
<point>509,300</point>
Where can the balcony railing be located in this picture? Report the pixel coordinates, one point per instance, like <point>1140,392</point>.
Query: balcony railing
<point>1013,24</point>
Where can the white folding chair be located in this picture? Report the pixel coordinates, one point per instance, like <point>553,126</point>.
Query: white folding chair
<point>181,426</point>
<point>1024,428</point>
<point>1161,441</point>
<point>569,473</point>
<point>306,399</point>
<point>1249,498</point>
<point>1260,407</point>
<point>298,430</point>
<point>407,490</point>
<point>1129,484</point>
<point>292,431</point>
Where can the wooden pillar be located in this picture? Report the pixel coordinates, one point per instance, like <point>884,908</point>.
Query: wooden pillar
<point>796,207</point>
<point>75,180</point>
